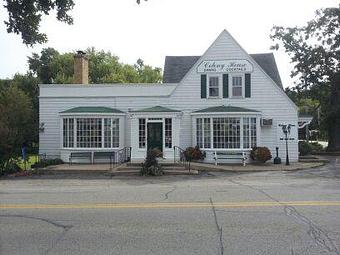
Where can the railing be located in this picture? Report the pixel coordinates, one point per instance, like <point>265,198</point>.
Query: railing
<point>180,158</point>
<point>120,157</point>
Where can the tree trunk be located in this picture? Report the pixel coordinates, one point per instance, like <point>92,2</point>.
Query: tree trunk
<point>334,115</point>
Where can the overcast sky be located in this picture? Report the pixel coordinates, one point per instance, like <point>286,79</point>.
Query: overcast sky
<point>157,28</point>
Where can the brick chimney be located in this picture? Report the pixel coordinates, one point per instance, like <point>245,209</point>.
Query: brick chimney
<point>81,68</point>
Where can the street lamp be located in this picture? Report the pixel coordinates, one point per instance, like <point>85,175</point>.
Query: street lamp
<point>286,131</point>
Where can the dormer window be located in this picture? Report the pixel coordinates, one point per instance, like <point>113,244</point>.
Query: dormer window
<point>213,86</point>
<point>237,86</point>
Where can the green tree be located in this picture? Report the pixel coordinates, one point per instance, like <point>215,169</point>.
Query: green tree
<point>52,67</point>
<point>24,17</point>
<point>16,123</point>
<point>315,52</point>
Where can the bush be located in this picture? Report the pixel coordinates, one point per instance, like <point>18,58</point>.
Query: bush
<point>306,148</point>
<point>261,154</point>
<point>47,162</point>
<point>151,165</point>
<point>10,168</point>
<point>194,153</point>
<point>316,147</point>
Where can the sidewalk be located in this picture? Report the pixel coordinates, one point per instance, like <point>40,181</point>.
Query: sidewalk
<point>255,167</point>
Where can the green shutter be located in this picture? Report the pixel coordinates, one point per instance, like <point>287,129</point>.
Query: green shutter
<point>247,82</point>
<point>225,86</point>
<point>203,86</point>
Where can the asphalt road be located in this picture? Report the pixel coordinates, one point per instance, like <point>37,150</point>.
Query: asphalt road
<point>219,213</point>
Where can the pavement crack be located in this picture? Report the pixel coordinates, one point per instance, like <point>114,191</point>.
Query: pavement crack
<point>166,195</point>
<point>218,227</point>
<point>319,236</point>
<point>65,228</point>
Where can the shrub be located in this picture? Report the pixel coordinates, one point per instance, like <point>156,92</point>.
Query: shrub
<point>304,148</point>
<point>261,154</point>
<point>151,165</point>
<point>194,153</point>
<point>316,147</point>
<point>10,167</point>
<point>47,162</point>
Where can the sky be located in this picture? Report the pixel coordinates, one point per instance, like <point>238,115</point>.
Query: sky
<point>157,28</point>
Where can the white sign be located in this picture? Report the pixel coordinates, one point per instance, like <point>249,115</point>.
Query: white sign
<point>225,66</point>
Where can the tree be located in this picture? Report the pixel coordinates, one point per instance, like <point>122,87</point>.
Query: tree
<point>52,67</point>
<point>16,123</point>
<point>25,17</point>
<point>315,52</point>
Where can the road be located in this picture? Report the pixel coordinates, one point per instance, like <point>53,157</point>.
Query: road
<point>213,213</point>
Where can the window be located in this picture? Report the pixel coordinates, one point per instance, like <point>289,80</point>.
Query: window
<point>142,136</point>
<point>249,132</point>
<point>168,133</point>
<point>90,133</point>
<point>107,133</point>
<point>115,133</point>
<point>226,133</point>
<point>68,135</point>
<point>213,86</point>
<point>236,86</point>
<point>203,133</point>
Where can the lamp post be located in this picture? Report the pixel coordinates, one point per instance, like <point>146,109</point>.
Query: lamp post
<point>286,131</point>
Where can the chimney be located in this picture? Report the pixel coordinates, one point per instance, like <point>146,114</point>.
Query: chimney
<point>81,68</point>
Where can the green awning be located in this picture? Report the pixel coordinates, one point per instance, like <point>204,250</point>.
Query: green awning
<point>92,109</point>
<point>224,108</point>
<point>156,109</point>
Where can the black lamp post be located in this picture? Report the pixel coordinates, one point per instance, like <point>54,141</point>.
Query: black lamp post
<point>286,131</point>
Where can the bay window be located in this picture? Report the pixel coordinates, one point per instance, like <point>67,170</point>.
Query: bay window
<point>226,132</point>
<point>90,132</point>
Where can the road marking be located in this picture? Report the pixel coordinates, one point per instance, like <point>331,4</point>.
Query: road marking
<point>168,205</point>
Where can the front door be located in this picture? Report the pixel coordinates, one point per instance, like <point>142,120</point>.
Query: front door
<point>155,136</point>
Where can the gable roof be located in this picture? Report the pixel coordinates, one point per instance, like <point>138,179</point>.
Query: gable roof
<point>156,109</point>
<point>176,67</point>
<point>92,109</point>
<point>224,108</point>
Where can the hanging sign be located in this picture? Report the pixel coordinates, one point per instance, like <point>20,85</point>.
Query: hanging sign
<point>225,66</point>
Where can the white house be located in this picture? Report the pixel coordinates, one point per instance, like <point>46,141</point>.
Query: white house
<point>224,100</point>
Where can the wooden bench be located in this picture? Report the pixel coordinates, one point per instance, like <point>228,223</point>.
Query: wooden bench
<point>230,155</point>
<point>80,155</point>
<point>104,154</point>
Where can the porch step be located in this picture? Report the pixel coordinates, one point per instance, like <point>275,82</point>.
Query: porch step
<point>137,168</point>
<point>134,169</point>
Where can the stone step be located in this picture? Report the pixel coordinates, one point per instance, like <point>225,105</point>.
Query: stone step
<point>137,168</point>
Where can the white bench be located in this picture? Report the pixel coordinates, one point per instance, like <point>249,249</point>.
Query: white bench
<point>230,155</point>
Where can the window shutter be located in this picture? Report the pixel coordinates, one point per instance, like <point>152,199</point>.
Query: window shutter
<point>225,86</point>
<point>247,82</point>
<point>203,86</point>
